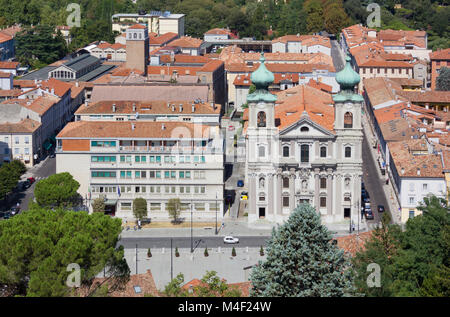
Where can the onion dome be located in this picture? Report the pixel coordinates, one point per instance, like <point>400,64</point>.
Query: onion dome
<point>262,77</point>
<point>347,78</point>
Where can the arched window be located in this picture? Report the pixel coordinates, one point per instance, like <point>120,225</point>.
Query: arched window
<point>285,182</point>
<point>323,183</point>
<point>261,119</point>
<point>135,35</point>
<point>304,129</point>
<point>304,153</point>
<point>285,151</point>
<point>348,120</point>
<point>348,151</point>
<point>323,151</point>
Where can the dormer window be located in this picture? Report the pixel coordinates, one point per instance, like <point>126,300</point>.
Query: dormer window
<point>304,129</point>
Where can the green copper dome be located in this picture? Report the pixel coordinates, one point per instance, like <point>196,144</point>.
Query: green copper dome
<point>262,77</point>
<point>347,78</point>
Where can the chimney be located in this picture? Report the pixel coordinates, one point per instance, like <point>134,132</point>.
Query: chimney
<point>52,91</point>
<point>193,107</point>
<point>403,170</point>
<point>181,107</point>
<point>114,107</point>
<point>86,103</point>
<point>213,105</point>
<point>173,108</point>
<point>163,127</point>
<point>134,107</point>
<point>168,105</point>
<point>132,126</point>
<point>77,84</point>
<point>418,171</point>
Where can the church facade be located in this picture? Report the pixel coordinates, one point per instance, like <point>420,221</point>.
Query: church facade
<point>304,152</point>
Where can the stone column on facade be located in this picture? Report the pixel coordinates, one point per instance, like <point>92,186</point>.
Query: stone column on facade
<point>292,149</point>
<point>338,202</point>
<point>279,201</point>
<point>270,197</point>
<point>292,188</point>
<point>252,194</point>
<point>330,191</point>
<point>317,189</point>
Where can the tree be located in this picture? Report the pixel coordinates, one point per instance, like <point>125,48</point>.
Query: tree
<point>36,248</point>
<point>9,176</point>
<point>302,261</point>
<point>173,289</point>
<point>381,248</point>
<point>174,208</point>
<point>443,80</point>
<point>58,190</point>
<point>39,46</point>
<point>139,208</point>
<point>98,205</point>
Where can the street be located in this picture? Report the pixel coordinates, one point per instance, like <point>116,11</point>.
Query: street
<point>185,242</point>
<point>337,56</point>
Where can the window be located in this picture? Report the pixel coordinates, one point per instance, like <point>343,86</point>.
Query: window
<point>140,159</point>
<point>323,183</point>
<point>103,143</point>
<point>304,129</point>
<point>285,201</point>
<point>27,140</point>
<point>323,151</point>
<point>261,119</point>
<point>323,202</point>
<point>304,153</point>
<point>16,140</point>
<point>348,151</point>
<point>286,151</point>
<point>261,151</point>
<point>348,120</point>
<point>125,206</point>
<point>103,174</point>
<point>125,174</point>
<point>27,151</point>
<point>199,206</point>
<point>155,206</point>
<point>412,200</point>
<point>411,214</point>
<point>285,182</point>
<point>425,186</point>
<point>103,159</point>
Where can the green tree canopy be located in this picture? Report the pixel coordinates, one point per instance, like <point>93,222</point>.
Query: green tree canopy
<point>58,190</point>
<point>443,80</point>
<point>37,246</point>
<point>9,176</point>
<point>98,204</point>
<point>301,260</point>
<point>139,208</point>
<point>174,208</point>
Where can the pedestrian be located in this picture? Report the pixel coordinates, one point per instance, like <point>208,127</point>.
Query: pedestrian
<point>353,226</point>
<point>139,224</point>
<point>387,181</point>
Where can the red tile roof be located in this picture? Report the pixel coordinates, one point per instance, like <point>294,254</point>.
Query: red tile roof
<point>440,54</point>
<point>9,65</point>
<point>138,26</point>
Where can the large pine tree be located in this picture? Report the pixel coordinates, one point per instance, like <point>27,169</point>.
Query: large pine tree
<point>302,260</point>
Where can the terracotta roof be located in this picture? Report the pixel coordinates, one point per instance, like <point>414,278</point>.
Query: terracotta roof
<point>218,31</point>
<point>169,70</point>
<point>147,107</point>
<point>418,165</point>
<point>12,30</point>
<point>428,96</point>
<point>149,92</point>
<point>407,81</point>
<point>9,65</point>
<point>10,92</point>
<point>319,85</point>
<point>353,243</point>
<point>124,129</point>
<point>138,26</point>
<point>211,66</point>
<point>24,83</point>
<point>5,38</point>
<point>380,90</point>
<point>24,126</point>
<point>389,64</point>
<point>145,282</point>
<point>280,68</point>
<point>440,55</point>
<point>187,42</point>
<point>163,39</point>
<point>189,59</point>
<point>244,80</point>
<point>5,75</point>
<point>60,87</point>
<point>397,130</point>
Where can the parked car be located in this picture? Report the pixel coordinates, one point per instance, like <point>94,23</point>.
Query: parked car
<point>230,240</point>
<point>367,206</point>
<point>231,128</point>
<point>240,183</point>
<point>363,193</point>
<point>14,210</point>
<point>229,199</point>
<point>368,213</point>
<point>381,208</point>
<point>31,180</point>
<point>5,215</point>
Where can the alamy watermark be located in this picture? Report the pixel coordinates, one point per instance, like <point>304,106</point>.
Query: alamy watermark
<point>74,278</point>
<point>374,19</point>
<point>374,278</point>
<point>74,18</point>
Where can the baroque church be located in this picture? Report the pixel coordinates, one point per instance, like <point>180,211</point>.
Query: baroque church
<point>302,150</point>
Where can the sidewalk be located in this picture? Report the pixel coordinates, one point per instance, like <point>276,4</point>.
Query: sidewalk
<point>389,191</point>
<point>238,228</point>
<point>32,170</point>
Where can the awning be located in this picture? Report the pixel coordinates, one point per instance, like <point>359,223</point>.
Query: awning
<point>111,202</point>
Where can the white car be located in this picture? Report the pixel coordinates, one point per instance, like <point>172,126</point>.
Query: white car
<point>230,240</point>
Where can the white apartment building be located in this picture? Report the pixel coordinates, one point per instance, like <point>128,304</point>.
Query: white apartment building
<point>157,161</point>
<point>156,21</point>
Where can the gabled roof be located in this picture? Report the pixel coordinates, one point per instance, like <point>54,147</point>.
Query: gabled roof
<point>138,26</point>
<point>187,42</point>
<point>440,55</point>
